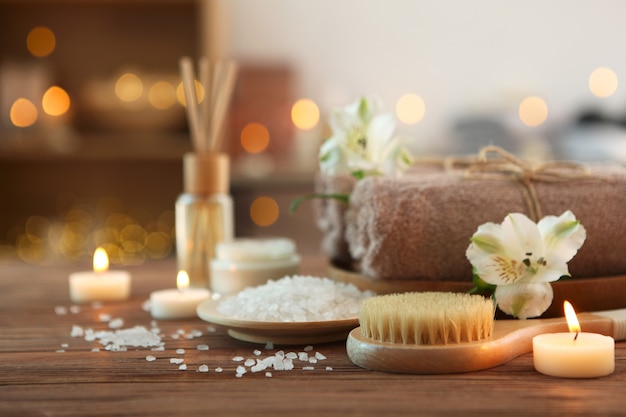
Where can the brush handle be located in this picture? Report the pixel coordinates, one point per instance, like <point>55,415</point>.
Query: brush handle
<point>510,339</point>
<point>618,321</point>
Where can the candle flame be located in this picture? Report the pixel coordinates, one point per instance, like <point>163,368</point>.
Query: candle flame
<point>570,316</point>
<point>182,280</point>
<point>100,260</point>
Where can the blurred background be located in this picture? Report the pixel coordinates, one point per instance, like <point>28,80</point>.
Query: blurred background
<point>92,125</point>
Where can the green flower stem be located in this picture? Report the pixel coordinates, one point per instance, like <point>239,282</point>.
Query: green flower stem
<point>296,203</point>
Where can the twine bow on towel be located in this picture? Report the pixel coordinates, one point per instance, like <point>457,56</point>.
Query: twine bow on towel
<point>509,167</point>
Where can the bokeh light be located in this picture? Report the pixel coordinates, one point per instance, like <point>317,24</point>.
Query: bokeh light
<point>180,93</point>
<point>55,101</point>
<point>603,82</point>
<point>129,87</point>
<point>40,41</point>
<point>305,114</point>
<point>23,113</point>
<point>410,108</point>
<point>264,211</point>
<point>533,111</point>
<point>162,95</point>
<point>130,237</point>
<point>254,138</point>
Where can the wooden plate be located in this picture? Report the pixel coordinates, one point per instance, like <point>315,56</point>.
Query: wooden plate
<point>586,294</point>
<point>282,333</point>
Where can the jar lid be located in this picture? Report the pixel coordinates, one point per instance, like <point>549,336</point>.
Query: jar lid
<point>255,249</point>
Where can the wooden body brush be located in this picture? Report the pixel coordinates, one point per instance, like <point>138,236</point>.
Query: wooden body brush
<point>439,333</point>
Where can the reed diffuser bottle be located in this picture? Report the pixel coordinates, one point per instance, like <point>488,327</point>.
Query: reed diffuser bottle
<point>204,214</point>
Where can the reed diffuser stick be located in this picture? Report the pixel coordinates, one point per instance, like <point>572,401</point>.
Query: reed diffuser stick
<point>226,75</point>
<point>188,77</point>
<point>206,107</point>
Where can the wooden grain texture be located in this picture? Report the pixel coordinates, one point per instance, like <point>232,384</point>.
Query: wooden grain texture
<point>36,380</point>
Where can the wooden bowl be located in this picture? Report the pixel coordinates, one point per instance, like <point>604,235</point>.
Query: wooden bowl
<point>585,294</point>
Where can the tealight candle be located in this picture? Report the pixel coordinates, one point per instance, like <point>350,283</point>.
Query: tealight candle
<point>99,284</point>
<point>574,354</point>
<point>177,303</point>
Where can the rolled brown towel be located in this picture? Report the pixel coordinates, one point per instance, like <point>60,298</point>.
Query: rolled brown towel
<point>419,226</point>
<point>329,216</point>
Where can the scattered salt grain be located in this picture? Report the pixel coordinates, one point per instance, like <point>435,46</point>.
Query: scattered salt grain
<point>182,367</point>
<point>176,361</point>
<point>180,351</point>
<point>203,368</point>
<point>308,368</point>
<point>238,359</point>
<point>218,369</point>
<point>259,366</point>
<point>291,355</point>
<point>256,352</point>
<point>95,349</point>
<point>288,365</point>
<point>249,362</point>
<point>77,331</point>
<point>268,374</point>
<point>64,345</point>
<point>295,299</point>
<point>308,348</point>
<point>116,323</point>
<point>329,368</point>
<point>74,309</point>
<point>196,333</point>
<point>269,346</point>
<point>241,370</point>
<point>59,350</point>
<point>320,356</point>
<point>211,329</point>
<point>117,340</point>
<point>150,358</point>
<point>202,347</point>
<point>104,317</point>
<point>312,360</point>
<point>60,310</point>
<point>303,356</point>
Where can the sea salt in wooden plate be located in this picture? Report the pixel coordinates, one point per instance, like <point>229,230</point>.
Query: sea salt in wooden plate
<point>280,333</point>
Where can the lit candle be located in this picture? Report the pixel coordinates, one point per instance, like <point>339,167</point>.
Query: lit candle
<point>99,284</point>
<point>574,354</point>
<point>177,303</point>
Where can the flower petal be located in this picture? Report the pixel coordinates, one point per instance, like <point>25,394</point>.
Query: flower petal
<point>524,300</point>
<point>498,269</point>
<point>563,235</point>
<point>522,236</point>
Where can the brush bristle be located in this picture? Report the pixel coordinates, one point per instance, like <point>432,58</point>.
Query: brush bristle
<point>427,318</point>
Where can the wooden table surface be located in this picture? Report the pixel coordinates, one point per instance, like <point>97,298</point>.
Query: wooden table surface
<point>44,371</point>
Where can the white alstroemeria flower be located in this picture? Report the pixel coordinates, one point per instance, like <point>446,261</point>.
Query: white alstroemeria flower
<point>521,258</point>
<point>362,142</point>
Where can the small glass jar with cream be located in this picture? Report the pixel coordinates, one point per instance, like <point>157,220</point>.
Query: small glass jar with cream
<point>249,262</point>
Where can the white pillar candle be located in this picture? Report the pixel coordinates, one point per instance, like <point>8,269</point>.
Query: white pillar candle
<point>99,284</point>
<point>178,303</point>
<point>574,354</point>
